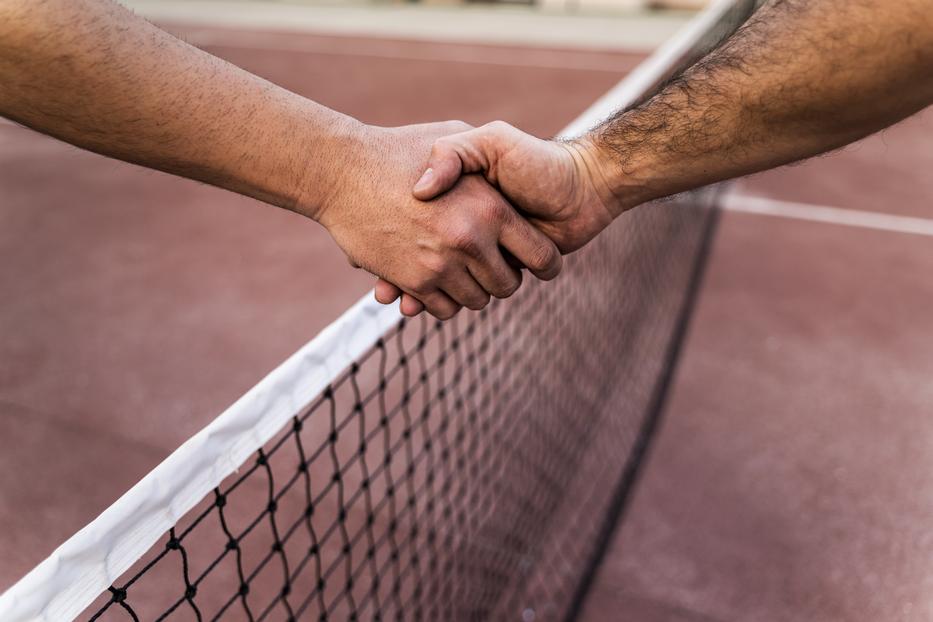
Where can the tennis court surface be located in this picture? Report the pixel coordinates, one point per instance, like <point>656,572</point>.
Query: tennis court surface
<point>467,470</point>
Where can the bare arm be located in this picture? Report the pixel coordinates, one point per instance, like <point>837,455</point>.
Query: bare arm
<point>94,74</point>
<point>800,78</point>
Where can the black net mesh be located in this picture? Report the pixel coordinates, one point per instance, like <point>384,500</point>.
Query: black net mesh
<point>467,470</point>
<point>459,470</point>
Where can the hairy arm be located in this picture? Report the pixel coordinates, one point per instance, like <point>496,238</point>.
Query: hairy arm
<point>94,74</point>
<point>800,78</point>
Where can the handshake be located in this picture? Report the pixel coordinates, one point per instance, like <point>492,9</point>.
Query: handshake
<point>448,216</point>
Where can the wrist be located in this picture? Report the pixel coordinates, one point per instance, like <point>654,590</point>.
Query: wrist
<point>299,155</point>
<point>328,153</point>
<point>621,180</point>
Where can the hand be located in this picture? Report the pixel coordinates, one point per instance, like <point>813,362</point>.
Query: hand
<point>445,253</point>
<point>558,186</point>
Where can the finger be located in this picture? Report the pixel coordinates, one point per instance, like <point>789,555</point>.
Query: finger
<point>386,292</point>
<point>495,275</point>
<point>531,247</point>
<point>465,290</point>
<point>410,306</point>
<point>444,169</point>
<point>440,305</point>
<point>473,151</point>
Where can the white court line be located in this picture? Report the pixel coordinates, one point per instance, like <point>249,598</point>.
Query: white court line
<point>450,55</point>
<point>82,568</point>
<point>738,202</point>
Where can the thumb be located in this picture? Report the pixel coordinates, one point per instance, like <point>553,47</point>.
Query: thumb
<point>444,169</point>
<point>451,157</point>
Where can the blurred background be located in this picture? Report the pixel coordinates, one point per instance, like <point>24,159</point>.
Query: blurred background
<point>790,479</point>
<point>602,6</point>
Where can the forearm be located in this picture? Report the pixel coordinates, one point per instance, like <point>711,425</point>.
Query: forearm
<point>93,74</point>
<point>801,78</point>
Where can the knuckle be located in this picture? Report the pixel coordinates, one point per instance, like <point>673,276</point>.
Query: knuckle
<point>423,287</point>
<point>456,126</point>
<point>478,303</point>
<point>439,148</point>
<point>495,212</point>
<point>498,127</point>
<point>434,267</point>
<point>444,312</point>
<point>507,287</point>
<point>511,289</point>
<point>460,233</point>
<point>465,241</point>
<point>544,258</point>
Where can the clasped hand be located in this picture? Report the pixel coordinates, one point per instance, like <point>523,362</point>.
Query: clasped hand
<point>447,215</point>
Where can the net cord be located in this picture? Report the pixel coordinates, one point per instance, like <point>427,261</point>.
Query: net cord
<point>634,464</point>
<point>78,571</point>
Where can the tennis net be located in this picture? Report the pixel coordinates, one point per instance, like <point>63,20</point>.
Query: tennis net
<point>412,469</point>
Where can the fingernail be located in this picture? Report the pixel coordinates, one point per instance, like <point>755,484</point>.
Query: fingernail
<point>425,180</point>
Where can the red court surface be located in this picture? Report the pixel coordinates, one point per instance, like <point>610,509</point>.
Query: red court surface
<point>791,479</point>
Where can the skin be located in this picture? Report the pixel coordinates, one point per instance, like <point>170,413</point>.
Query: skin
<point>801,78</point>
<point>93,74</point>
